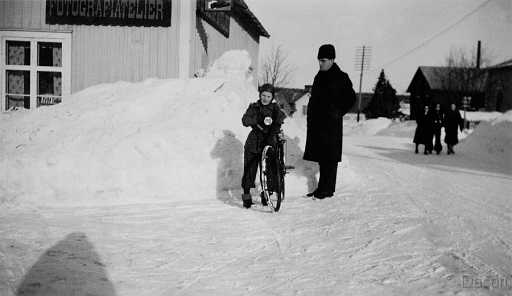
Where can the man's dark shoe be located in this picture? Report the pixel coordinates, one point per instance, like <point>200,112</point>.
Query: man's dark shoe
<point>322,195</point>
<point>311,193</point>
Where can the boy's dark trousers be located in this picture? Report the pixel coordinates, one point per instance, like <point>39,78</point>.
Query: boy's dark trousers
<point>251,161</point>
<point>327,181</point>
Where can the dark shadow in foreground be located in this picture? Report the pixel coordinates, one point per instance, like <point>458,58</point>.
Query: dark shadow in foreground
<point>71,267</point>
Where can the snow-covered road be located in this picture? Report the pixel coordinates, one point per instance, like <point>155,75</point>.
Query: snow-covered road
<point>399,224</point>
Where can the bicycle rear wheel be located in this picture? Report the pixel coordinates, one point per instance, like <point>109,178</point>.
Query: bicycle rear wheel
<point>270,179</point>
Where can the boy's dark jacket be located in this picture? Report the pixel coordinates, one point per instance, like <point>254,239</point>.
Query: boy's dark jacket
<point>262,134</point>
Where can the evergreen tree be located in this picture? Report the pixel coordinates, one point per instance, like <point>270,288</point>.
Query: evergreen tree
<point>384,101</point>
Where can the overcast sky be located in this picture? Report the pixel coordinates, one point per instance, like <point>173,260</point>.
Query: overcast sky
<point>391,27</point>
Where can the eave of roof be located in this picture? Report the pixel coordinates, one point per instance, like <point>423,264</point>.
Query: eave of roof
<point>504,64</point>
<point>252,18</point>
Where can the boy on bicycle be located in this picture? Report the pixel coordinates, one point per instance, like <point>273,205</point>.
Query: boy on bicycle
<point>265,118</point>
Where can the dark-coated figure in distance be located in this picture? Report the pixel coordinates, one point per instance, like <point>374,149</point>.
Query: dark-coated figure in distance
<point>437,120</point>
<point>452,122</point>
<point>423,133</point>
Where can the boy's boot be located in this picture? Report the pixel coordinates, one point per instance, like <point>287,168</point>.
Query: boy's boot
<point>263,199</point>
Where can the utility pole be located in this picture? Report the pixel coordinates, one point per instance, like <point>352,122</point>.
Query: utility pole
<point>362,63</point>
<point>478,53</point>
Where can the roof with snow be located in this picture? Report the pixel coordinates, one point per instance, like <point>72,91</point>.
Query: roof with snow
<point>448,78</point>
<point>504,64</point>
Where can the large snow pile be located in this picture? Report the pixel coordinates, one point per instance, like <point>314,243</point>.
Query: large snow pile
<point>368,127</point>
<point>156,140</point>
<point>491,141</point>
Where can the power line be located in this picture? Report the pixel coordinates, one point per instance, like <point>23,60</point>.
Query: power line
<point>425,42</point>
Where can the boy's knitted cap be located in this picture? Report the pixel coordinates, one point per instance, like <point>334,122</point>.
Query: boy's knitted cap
<point>267,87</point>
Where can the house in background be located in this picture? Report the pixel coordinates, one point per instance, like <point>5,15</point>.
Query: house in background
<point>52,48</point>
<point>499,87</point>
<point>287,97</point>
<point>486,89</point>
<point>300,101</point>
<point>445,85</point>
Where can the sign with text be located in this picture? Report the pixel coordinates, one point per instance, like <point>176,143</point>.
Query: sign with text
<point>148,13</point>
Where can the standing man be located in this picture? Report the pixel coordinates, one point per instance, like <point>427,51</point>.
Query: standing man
<point>332,96</point>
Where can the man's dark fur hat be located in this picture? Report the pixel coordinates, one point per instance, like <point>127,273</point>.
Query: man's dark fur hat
<point>327,51</point>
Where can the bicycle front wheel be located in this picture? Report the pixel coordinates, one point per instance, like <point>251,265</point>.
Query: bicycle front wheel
<point>271,182</point>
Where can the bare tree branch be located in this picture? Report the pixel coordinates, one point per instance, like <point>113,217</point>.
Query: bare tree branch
<point>276,69</point>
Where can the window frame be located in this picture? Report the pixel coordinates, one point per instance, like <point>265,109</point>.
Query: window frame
<point>34,37</point>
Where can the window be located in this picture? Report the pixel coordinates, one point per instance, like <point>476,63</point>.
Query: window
<point>49,54</point>
<point>18,53</point>
<point>218,19</point>
<point>34,69</point>
<point>49,88</point>
<point>18,89</point>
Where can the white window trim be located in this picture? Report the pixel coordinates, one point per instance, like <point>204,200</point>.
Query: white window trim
<point>34,37</point>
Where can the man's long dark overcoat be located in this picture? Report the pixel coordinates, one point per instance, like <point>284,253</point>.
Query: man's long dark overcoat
<point>332,96</point>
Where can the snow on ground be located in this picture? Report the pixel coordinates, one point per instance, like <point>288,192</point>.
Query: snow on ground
<point>491,141</point>
<point>368,127</point>
<point>477,116</point>
<point>159,161</point>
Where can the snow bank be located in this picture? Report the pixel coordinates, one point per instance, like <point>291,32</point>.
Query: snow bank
<point>400,129</point>
<point>480,116</point>
<point>156,140</point>
<point>503,118</point>
<point>491,141</point>
<point>368,127</point>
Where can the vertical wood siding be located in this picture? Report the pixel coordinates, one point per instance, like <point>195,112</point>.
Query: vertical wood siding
<point>104,53</point>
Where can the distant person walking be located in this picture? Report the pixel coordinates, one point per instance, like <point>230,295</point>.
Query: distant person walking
<point>423,133</point>
<point>332,96</point>
<point>437,120</point>
<point>452,122</point>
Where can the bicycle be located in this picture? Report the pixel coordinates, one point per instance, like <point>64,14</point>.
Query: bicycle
<point>272,173</point>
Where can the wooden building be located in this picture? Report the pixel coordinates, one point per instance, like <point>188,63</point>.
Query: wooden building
<point>445,85</point>
<point>52,48</point>
<point>499,87</point>
<point>487,89</point>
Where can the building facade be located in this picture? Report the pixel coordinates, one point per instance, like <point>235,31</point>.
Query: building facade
<point>486,89</point>
<point>52,48</point>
